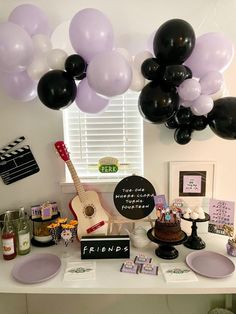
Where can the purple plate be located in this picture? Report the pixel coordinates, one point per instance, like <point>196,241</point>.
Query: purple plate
<point>36,268</point>
<point>210,264</point>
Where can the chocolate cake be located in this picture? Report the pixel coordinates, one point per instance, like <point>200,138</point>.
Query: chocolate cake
<point>168,230</point>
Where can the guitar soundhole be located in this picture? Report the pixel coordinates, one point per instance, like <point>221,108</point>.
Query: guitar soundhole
<point>89,211</point>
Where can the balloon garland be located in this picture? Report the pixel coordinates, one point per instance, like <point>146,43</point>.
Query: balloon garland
<point>178,77</point>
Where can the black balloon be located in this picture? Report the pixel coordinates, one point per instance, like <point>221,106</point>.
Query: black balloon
<point>80,77</point>
<point>171,123</point>
<point>175,74</point>
<point>183,135</point>
<point>183,116</point>
<point>56,89</point>
<point>199,123</point>
<point>75,65</point>
<point>174,42</point>
<point>158,103</point>
<point>151,70</point>
<point>189,73</point>
<point>222,118</point>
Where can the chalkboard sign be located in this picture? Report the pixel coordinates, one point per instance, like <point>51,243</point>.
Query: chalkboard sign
<point>134,197</point>
<point>99,247</point>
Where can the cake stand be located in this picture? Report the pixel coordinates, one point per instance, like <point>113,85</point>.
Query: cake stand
<point>194,242</point>
<point>165,250</point>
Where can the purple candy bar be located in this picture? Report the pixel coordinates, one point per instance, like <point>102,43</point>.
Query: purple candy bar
<point>149,269</point>
<point>129,267</point>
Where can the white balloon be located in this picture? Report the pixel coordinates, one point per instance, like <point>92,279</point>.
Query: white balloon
<point>56,59</point>
<point>38,67</point>
<point>60,38</point>
<point>125,53</point>
<point>138,81</point>
<point>41,43</point>
<point>141,57</point>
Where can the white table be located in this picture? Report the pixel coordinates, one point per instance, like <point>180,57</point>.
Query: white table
<point>109,279</point>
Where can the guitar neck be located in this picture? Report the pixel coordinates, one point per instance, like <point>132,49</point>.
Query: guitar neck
<point>78,185</point>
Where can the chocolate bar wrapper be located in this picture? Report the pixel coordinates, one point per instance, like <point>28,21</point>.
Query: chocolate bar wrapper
<point>149,269</point>
<point>129,267</point>
<point>142,259</point>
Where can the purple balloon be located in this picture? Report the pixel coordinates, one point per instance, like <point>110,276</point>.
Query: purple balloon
<point>211,83</point>
<point>212,52</point>
<point>189,90</point>
<point>87,100</point>
<point>31,18</point>
<point>91,33</point>
<point>185,103</point>
<point>202,105</point>
<point>109,74</point>
<point>16,48</point>
<point>19,86</point>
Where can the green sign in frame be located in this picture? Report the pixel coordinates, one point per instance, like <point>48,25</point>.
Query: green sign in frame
<point>108,168</point>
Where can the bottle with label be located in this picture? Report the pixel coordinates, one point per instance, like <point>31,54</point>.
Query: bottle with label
<point>23,233</point>
<point>8,238</point>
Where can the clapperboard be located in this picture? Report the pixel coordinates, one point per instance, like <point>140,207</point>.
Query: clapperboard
<point>17,164</point>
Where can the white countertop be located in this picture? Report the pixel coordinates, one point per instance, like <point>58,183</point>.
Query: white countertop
<point>109,279</point>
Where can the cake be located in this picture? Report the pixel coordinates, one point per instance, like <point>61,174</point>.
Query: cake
<point>167,227</point>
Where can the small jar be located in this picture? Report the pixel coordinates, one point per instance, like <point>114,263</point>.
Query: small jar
<point>231,248</point>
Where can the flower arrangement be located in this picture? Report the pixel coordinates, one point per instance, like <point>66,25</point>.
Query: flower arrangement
<point>231,244</point>
<point>62,229</point>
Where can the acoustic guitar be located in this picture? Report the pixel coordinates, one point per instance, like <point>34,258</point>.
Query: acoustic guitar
<point>86,207</point>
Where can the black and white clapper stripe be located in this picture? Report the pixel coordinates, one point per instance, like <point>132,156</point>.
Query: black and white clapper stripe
<point>11,145</point>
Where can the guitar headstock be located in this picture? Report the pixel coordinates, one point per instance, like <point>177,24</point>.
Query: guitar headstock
<point>62,150</point>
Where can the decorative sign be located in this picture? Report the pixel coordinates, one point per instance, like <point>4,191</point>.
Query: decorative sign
<point>17,164</point>
<point>134,197</point>
<point>192,183</point>
<point>108,165</point>
<point>221,217</point>
<point>98,247</point>
<point>108,168</point>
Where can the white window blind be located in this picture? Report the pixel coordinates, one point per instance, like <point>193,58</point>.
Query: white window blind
<point>116,132</point>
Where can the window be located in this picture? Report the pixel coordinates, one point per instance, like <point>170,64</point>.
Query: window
<point>116,132</point>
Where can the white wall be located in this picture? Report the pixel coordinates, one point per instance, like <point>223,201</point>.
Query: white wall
<point>133,22</point>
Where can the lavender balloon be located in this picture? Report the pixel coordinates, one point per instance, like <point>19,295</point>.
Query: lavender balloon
<point>19,86</point>
<point>189,90</point>
<point>31,18</point>
<point>109,74</point>
<point>211,83</point>
<point>91,33</point>
<point>212,52</point>
<point>202,105</point>
<point>16,48</point>
<point>87,100</point>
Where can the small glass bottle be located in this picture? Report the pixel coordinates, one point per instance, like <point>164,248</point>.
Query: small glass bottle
<point>23,233</point>
<point>8,238</point>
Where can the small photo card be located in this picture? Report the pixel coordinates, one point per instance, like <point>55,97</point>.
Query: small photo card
<point>221,217</point>
<point>129,267</point>
<point>80,270</point>
<point>142,259</point>
<point>177,272</point>
<point>160,201</point>
<point>149,269</point>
